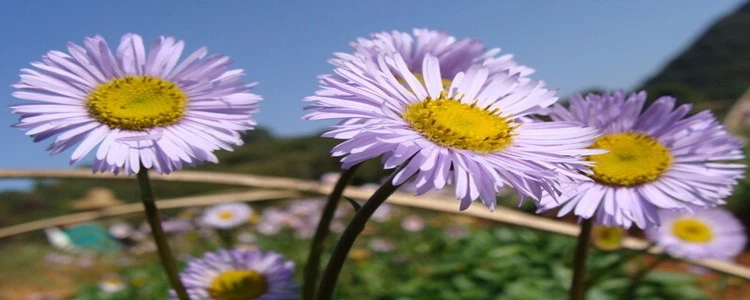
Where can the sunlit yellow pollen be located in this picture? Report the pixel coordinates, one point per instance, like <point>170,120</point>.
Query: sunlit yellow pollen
<point>692,230</point>
<point>226,215</point>
<point>238,285</point>
<point>113,281</point>
<point>633,159</point>
<point>137,103</point>
<point>451,123</point>
<point>608,238</point>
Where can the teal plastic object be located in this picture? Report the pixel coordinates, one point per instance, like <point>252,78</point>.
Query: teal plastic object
<point>92,236</point>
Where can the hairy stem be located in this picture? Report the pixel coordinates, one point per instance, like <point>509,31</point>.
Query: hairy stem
<point>578,286</point>
<point>355,227</point>
<point>165,254</point>
<point>312,265</point>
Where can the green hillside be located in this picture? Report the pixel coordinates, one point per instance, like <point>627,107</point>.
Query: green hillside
<point>714,68</point>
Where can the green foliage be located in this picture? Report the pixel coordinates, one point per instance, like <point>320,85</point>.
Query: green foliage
<point>487,263</point>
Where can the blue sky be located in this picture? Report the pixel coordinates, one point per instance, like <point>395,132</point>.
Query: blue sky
<point>284,45</point>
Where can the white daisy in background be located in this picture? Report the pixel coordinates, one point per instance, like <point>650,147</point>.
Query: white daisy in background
<point>240,274</point>
<point>227,215</point>
<point>659,157</point>
<point>706,233</point>
<point>381,245</point>
<point>413,223</point>
<point>112,283</point>
<point>136,107</point>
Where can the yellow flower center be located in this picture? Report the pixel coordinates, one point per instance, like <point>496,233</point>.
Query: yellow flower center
<point>451,123</point>
<point>359,254</point>
<point>226,215</point>
<point>113,281</point>
<point>633,159</point>
<point>238,285</point>
<point>137,103</point>
<point>692,230</point>
<point>608,238</point>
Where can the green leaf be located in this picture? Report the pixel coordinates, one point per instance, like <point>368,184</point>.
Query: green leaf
<point>354,204</point>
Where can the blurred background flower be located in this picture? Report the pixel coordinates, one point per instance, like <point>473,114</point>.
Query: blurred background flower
<point>226,216</point>
<point>705,233</point>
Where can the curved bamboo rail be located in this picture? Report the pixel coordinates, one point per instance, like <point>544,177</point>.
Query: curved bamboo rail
<point>251,196</point>
<point>501,214</point>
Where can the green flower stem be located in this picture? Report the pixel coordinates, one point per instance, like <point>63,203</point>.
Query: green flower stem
<point>638,277</point>
<point>312,266</point>
<point>152,215</point>
<point>578,286</point>
<point>355,227</point>
<point>598,274</point>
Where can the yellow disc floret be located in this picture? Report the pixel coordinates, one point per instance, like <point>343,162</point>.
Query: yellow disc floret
<point>692,230</point>
<point>608,238</point>
<point>137,103</point>
<point>238,285</point>
<point>633,159</point>
<point>226,215</point>
<point>451,123</point>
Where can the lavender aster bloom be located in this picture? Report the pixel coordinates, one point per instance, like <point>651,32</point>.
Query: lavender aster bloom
<point>239,274</point>
<point>139,108</point>
<point>658,158</point>
<point>468,134</point>
<point>708,233</point>
<point>454,55</point>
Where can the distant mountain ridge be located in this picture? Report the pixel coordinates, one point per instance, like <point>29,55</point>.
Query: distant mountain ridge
<point>714,68</point>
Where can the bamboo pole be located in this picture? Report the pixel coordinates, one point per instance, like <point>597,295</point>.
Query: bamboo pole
<point>501,214</point>
<point>126,209</point>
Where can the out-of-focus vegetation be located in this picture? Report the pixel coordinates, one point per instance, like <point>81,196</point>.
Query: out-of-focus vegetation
<point>451,258</point>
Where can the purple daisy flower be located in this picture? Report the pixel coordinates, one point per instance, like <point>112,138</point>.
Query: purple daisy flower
<point>139,108</point>
<point>708,233</point>
<point>468,134</point>
<point>658,158</point>
<point>239,274</point>
<point>454,55</point>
